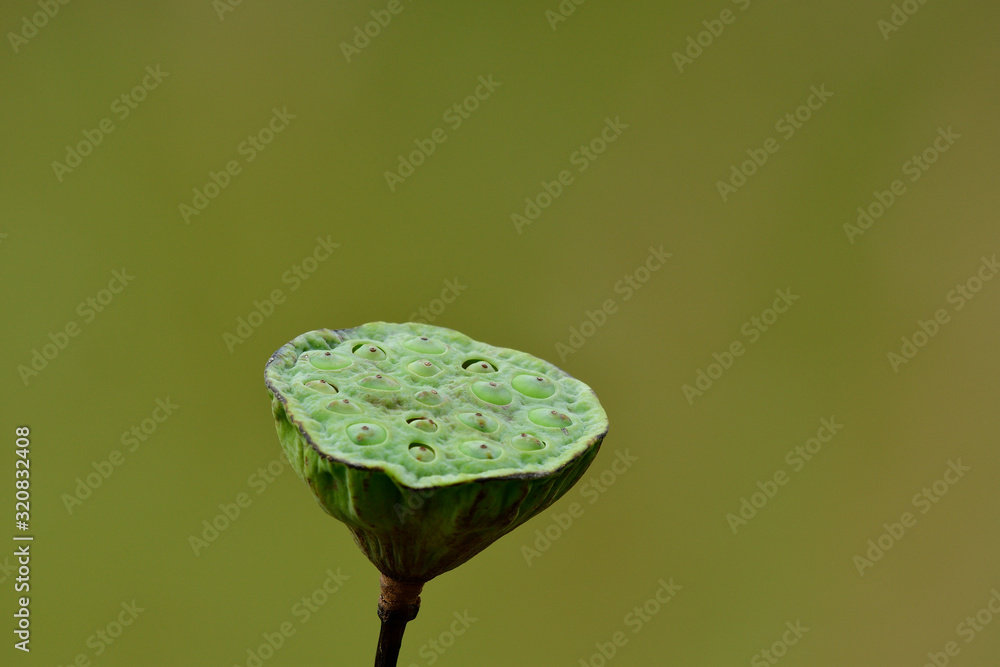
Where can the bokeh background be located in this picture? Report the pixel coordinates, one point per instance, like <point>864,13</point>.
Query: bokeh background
<point>330,121</point>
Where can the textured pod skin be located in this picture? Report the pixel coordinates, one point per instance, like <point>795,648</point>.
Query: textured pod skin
<point>414,528</point>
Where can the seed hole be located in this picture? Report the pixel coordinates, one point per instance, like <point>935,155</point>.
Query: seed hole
<point>429,397</point>
<point>477,449</point>
<point>367,434</point>
<point>369,351</point>
<point>549,418</point>
<point>344,407</point>
<point>479,421</point>
<point>535,386</point>
<point>323,386</point>
<point>479,366</point>
<point>425,424</point>
<point>491,392</point>
<point>422,452</point>
<point>328,361</point>
<point>425,345</point>
<point>380,383</point>
<point>527,443</point>
<point>423,368</point>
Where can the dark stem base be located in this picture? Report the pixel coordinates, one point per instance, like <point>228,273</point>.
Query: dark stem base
<point>398,604</point>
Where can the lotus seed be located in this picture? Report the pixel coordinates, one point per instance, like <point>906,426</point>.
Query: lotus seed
<point>479,421</point>
<point>480,450</point>
<point>491,392</point>
<point>423,424</point>
<point>429,397</point>
<point>321,385</point>
<point>422,453</point>
<point>380,383</point>
<point>328,361</point>
<point>366,434</point>
<point>425,345</point>
<point>550,418</point>
<point>370,352</point>
<point>527,443</point>
<point>534,386</point>
<point>479,366</point>
<point>344,407</point>
<point>423,368</point>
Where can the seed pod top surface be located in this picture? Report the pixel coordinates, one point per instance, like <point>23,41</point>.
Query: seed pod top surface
<point>430,406</point>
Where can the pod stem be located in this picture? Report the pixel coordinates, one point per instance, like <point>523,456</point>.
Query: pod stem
<point>398,604</point>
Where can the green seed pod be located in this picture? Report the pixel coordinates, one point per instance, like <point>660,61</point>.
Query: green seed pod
<point>482,458</point>
<point>434,445</point>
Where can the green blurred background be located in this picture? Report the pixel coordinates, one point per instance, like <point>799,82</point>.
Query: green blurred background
<point>223,70</point>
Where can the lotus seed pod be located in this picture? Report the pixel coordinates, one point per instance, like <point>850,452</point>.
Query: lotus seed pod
<point>435,445</point>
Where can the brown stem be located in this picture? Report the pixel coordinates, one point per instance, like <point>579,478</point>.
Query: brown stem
<point>398,604</point>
